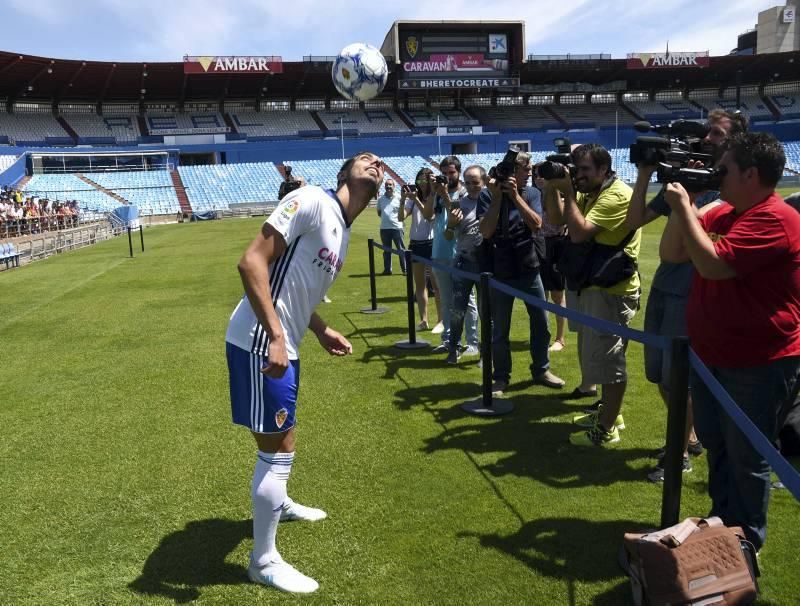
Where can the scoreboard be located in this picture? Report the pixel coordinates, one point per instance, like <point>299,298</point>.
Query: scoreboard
<point>455,54</point>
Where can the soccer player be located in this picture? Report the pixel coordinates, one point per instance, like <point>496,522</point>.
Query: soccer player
<point>286,272</point>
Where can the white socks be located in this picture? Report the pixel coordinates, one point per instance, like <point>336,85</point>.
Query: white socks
<point>268,494</point>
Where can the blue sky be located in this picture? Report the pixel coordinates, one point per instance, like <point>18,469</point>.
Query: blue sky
<point>127,30</point>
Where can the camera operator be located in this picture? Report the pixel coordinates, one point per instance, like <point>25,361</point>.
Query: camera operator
<point>743,318</point>
<point>463,227</point>
<point>665,313</point>
<point>597,214</point>
<point>290,183</point>
<point>510,213</point>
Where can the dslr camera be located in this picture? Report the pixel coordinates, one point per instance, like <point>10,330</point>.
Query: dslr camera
<point>506,167</point>
<point>680,142</point>
<point>555,165</point>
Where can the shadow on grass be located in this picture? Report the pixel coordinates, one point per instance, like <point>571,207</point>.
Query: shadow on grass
<point>572,550</point>
<point>194,557</point>
<point>532,441</point>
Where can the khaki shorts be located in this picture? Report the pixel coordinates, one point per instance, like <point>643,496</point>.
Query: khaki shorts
<point>601,355</point>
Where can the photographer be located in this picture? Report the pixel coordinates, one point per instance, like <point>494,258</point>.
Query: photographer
<point>420,235</point>
<point>665,313</point>
<point>510,214</point>
<point>596,215</point>
<point>743,318</point>
<point>449,190</point>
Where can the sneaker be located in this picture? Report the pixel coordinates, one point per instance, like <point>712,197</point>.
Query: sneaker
<point>578,393</point>
<point>498,387</point>
<point>593,407</point>
<point>423,325</point>
<point>453,356</point>
<point>471,350</point>
<point>557,346</point>
<point>591,419</point>
<point>292,511</point>
<point>548,379</point>
<point>282,576</point>
<point>438,329</point>
<point>695,448</point>
<point>657,475</point>
<point>596,436</point>
<point>441,348</point>
<point>325,299</point>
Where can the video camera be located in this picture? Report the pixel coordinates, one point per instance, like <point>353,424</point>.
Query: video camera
<point>681,141</point>
<point>506,168</point>
<point>290,183</point>
<point>555,165</point>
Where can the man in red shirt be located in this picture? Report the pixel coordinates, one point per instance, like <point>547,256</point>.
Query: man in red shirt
<point>743,318</point>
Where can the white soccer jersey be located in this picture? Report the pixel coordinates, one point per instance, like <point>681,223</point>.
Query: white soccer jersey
<point>313,223</point>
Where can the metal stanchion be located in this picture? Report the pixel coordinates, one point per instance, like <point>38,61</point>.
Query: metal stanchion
<point>413,342</point>
<point>373,309</point>
<point>676,432</point>
<point>141,236</point>
<point>487,405</point>
<point>130,241</point>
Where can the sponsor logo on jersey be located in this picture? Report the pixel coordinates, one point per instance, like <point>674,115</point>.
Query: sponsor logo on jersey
<point>280,417</point>
<point>290,208</point>
<point>328,260</point>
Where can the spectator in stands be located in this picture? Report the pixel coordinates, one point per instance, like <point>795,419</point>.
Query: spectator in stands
<point>743,318</point>
<point>420,239</point>
<point>463,227</point>
<point>597,213</point>
<point>391,226</point>
<point>510,214</point>
<point>552,279</point>
<point>665,313</point>
<point>263,343</point>
<point>436,209</point>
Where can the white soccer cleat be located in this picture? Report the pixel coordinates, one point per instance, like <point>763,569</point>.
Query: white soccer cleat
<point>282,576</point>
<point>292,511</point>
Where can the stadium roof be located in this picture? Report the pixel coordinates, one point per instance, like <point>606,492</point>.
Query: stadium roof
<point>26,77</point>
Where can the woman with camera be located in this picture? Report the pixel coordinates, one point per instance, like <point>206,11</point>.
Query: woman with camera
<point>421,238</point>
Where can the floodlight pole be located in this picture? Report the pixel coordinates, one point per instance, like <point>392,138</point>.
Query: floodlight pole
<point>438,134</point>
<point>341,132</point>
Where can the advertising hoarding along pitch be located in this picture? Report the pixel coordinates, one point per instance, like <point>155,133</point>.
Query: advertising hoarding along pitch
<point>667,60</point>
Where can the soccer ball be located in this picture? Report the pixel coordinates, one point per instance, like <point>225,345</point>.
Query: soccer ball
<point>359,72</point>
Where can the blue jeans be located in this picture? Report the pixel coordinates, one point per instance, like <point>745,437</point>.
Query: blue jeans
<point>444,283</point>
<point>463,307</point>
<point>502,305</point>
<point>738,476</point>
<point>392,238</point>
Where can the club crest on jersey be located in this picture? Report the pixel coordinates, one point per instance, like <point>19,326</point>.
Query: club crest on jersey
<point>412,46</point>
<point>280,417</point>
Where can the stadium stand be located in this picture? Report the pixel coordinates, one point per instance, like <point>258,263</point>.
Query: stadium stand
<point>188,124</point>
<point>122,128</point>
<point>424,117</point>
<point>70,187</point>
<point>215,187</point>
<point>27,129</point>
<point>788,105</point>
<point>317,172</point>
<point>516,118</point>
<point>152,191</point>
<point>406,167</point>
<point>659,111</point>
<point>585,115</point>
<point>381,121</point>
<point>792,150</point>
<point>274,124</point>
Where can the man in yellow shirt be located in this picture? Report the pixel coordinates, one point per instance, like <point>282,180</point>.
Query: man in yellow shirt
<point>597,212</point>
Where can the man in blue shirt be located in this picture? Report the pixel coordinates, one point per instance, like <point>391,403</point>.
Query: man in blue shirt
<point>510,214</point>
<point>391,226</point>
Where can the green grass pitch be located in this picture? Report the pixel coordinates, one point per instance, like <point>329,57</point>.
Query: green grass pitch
<point>124,482</point>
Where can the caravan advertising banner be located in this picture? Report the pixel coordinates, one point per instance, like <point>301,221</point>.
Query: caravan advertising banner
<point>454,55</point>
